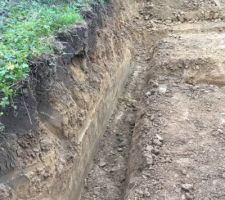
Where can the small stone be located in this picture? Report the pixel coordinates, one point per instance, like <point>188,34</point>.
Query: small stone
<point>148,93</point>
<point>155,124</point>
<point>149,160</point>
<point>25,92</point>
<point>184,172</point>
<point>168,160</point>
<point>140,192</point>
<point>162,89</point>
<point>146,193</point>
<point>187,187</point>
<point>36,150</point>
<point>160,138</point>
<point>177,190</point>
<point>220,131</point>
<point>168,21</point>
<point>181,18</point>
<point>189,196</point>
<point>223,175</point>
<point>156,151</point>
<point>155,84</point>
<point>157,142</point>
<point>183,197</point>
<point>146,17</point>
<point>149,26</point>
<point>114,169</point>
<point>152,118</point>
<point>102,163</point>
<point>149,148</point>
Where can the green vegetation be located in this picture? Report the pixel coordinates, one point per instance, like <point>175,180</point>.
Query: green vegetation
<point>24,29</point>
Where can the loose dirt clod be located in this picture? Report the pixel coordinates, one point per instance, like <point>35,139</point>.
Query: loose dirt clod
<point>171,144</point>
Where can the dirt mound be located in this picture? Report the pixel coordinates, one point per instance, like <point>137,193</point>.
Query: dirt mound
<point>185,10</point>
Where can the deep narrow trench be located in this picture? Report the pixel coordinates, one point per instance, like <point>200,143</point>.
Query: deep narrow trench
<point>165,140</point>
<point>107,178</point>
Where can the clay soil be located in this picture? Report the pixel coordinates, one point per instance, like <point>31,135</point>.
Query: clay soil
<point>166,139</point>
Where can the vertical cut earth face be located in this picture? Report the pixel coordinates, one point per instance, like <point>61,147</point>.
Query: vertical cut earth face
<point>46,148</point>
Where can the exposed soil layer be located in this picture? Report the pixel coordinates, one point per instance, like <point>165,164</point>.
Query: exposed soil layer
<point>171,122</point>
<point>166,138</point>
<point>47,144</point>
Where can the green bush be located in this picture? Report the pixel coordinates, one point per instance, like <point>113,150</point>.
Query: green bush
<point>24,27</point>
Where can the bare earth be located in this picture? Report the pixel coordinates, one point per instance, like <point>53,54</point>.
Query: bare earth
<point>166,140</point>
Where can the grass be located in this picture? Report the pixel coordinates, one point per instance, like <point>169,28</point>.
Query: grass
<point>24,27</point>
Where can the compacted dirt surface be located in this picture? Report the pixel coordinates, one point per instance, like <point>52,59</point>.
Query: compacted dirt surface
<point>166,139</point>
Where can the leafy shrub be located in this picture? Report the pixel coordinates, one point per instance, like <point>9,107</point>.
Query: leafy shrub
<point>23,28</point>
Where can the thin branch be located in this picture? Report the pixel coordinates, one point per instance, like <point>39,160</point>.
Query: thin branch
<point>28,113</point>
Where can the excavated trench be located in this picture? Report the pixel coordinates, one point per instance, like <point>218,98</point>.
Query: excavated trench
<point>134,110</point>
<point>165,140</point>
